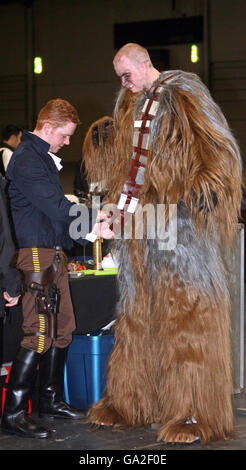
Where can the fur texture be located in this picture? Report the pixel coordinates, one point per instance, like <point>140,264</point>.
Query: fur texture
<point>171,362</point>
<point>97,150</point>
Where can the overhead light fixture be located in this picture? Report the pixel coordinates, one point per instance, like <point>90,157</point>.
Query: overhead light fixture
<point>37,65</point>
<point>194,53</point>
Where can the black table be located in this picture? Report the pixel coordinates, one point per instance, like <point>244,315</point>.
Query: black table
<point>94,300</point>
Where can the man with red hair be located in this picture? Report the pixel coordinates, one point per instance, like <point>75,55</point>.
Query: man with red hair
<point>41,217</point>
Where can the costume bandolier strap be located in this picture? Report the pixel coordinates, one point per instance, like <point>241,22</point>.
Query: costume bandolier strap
<point>141,140</point>
<point>35,259</point>
<point>41,285</point>
<point>42,318</point>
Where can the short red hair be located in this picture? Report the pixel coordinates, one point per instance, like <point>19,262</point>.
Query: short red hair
<point>57,112</point>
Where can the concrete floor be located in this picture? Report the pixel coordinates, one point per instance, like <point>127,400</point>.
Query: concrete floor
<point>78,436</point>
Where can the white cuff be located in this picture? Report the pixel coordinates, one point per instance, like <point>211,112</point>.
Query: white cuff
<point>91,237</point>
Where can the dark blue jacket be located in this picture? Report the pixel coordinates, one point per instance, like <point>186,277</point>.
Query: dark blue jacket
<point>39,209</point>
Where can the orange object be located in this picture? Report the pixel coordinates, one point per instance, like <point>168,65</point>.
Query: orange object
<point>80,267</point>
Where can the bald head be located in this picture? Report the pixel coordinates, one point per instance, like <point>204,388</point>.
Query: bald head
<point>134,52</point>
<point>133,65</point>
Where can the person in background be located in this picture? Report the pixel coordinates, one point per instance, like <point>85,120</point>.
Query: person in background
<point>11,285</point>
<point>80,184</point>
<point>11,137</point>
<point>93,170</point>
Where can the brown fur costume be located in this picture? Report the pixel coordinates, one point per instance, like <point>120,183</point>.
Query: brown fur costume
<point>97,150</point>
<point>171,362</point>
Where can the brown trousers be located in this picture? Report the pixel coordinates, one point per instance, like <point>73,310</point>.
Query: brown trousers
<point>34,325</point>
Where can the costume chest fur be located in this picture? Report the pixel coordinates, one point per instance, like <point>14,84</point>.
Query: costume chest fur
<point>200,228</point>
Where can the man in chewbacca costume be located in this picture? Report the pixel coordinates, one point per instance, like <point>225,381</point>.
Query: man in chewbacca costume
<point>171,362</point>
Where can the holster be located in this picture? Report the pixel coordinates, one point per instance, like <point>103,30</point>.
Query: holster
<point>46,293</point>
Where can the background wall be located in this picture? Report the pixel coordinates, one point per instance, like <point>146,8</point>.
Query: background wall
<point>76,40</point>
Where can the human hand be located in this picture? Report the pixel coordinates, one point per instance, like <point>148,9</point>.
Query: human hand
<point>102,216</point>
<point>11,300</point>
<point>102,230</point>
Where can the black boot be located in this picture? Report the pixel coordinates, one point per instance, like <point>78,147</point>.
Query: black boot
<point>15,419</point>
<point>51,378</point>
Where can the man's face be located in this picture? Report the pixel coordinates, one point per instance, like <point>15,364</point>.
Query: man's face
<point>132,76</point>
<point>17,139</point>
<point>14,140</point>
<point>57,137</point>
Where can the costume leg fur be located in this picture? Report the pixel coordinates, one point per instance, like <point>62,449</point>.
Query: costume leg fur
<point>131,395</point>
<point>194,369</point>
<point>170,363</point>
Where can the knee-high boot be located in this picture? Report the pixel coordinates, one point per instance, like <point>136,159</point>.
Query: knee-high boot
<point>51,379</point>
<point>15,419</point>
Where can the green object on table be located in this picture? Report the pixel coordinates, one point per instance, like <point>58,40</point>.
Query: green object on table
<point>88,271</point>
<point>101,272</point>
<point>106,271</point>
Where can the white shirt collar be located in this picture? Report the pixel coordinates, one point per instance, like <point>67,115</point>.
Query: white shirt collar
<point>57,161</point>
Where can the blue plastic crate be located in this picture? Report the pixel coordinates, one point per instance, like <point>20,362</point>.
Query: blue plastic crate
<point>85,369</point>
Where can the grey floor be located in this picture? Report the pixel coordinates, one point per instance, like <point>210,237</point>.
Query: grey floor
<point>78,436</point>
